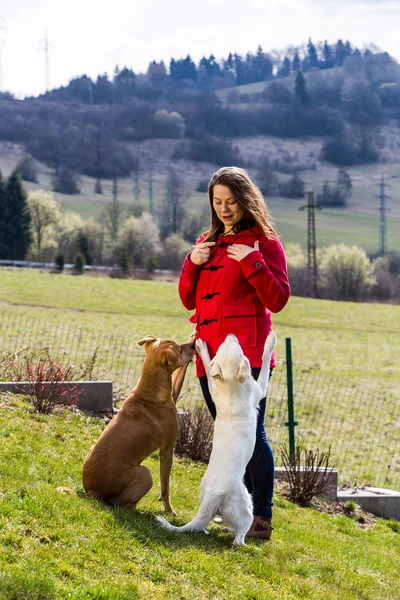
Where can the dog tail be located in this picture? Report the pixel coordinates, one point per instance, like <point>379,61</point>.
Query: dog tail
<point>198,523</point>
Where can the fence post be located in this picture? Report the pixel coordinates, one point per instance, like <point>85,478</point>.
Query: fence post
<point>291,424</point>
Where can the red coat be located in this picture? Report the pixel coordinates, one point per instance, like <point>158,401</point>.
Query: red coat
<point>236,297</point>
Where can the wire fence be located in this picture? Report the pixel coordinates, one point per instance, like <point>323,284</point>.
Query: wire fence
<point>359,426</point>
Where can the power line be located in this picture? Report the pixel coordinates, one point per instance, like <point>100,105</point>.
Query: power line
<point>3,32</point>
<point>311,244</point>
<point>382,216</point>
<point>45,46</point>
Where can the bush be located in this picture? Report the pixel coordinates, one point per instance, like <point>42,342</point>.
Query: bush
<point>175,250</point>
<point>293,188</point>
<point>79,264</point>
<point>27,168</point>
<point>195,434</point>
<point>59,262</point>
<point>65,182</point>
<point>345,273</point>
<point>306,476</point>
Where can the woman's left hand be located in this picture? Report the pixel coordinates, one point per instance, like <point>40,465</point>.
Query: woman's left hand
<point>239,251</point>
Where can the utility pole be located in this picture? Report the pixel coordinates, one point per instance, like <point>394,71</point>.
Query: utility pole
<point>169,204</point>
<point>311,243</point>
<point>382,217</point>
<point>3,31</point>
<point>45,46</point>
<point>136,186</point>
<point>151,197</point>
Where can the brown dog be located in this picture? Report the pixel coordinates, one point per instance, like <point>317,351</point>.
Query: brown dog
<point>147,421</point>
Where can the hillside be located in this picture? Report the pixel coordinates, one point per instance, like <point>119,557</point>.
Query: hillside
<point>357,224</point>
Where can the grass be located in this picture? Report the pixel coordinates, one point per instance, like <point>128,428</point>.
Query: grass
<point>56,546</point>
<point>349,340</point>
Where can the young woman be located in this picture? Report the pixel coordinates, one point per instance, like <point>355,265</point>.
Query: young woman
<point>234,278</point>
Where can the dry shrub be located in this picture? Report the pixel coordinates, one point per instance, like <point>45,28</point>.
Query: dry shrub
<point>307,473</point>
<point>195,434</point>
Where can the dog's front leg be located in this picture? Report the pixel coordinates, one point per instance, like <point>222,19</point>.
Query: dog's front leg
<point>202,350</point>
<point>263,378</point>
<point>166,458</point>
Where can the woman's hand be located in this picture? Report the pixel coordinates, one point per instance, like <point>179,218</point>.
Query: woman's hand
<point>201,253</point>
<point>239,251</point>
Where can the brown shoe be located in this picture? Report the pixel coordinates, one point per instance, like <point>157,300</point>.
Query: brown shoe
<point>260,528</point>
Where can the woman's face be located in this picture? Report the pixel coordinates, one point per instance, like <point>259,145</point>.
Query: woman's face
<point>228,209</point>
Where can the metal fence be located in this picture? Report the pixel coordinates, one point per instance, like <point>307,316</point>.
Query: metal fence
<point>360,426</point>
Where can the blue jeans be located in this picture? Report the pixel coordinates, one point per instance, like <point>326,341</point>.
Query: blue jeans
<point>259,476</point>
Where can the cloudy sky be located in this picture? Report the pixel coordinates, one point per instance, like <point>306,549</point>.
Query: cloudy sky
<point>92,36</point>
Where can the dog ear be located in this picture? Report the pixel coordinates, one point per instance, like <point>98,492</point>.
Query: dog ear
<point>243,371</point>
<point>149,339</point>
<point>168,357</point>
<point>215,370</point>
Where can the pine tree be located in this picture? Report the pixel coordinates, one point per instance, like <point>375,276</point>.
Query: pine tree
<point>312,56</point>
<point>328,56</point>
<point>300,89</point>
<point>17,234</point>
<point>296,63</point>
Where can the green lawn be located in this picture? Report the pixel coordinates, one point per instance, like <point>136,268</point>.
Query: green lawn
<point>350,340</point>
<point>55,546</point>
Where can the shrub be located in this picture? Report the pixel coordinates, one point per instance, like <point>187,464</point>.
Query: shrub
<point>46,384</point>
<point>79,263</point>
<point>27,168</point>
<point>307,473</point>
<point>59,262</point>
<point>65,181</point>
<point>175,250</point>
<point>293,188</point>
<point>195,434</point>
<point>345,273</point>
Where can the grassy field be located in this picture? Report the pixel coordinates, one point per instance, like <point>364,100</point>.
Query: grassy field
<point>55,546</point>
<point>355,341</point>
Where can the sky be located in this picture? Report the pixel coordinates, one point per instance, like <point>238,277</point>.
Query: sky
<point>93,36</point>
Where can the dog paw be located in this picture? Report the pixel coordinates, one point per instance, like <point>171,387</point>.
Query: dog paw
<point>201,348</point>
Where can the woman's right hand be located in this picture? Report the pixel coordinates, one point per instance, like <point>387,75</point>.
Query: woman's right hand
<point>201,253</point>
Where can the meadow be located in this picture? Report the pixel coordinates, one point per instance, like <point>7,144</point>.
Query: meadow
<point>57,545</point>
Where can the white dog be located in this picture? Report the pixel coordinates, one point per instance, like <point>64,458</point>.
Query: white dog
<point>236,396</point>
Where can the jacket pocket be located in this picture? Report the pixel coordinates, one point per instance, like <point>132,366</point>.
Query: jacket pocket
<point>241,320</point>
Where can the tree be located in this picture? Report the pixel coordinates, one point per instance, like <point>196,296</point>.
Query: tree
<point>17,233</point>
<point>300,89</point>
<point>311,60</point>
<point>175,250</point>
<point>296,64</point>
<point>286,68</point>
<point>336,194</point>
<point>113,213</point>
<point>173,210</point>
<point>139,239</point>
<point>65,181</point>
<point>267,179</point>
<point>45,215</point>
<point>27,168</point>
<point>328,56</point>
<point>169,124</point>
<point>346,272</point>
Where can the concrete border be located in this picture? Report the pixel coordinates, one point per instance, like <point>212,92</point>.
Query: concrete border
<point>95,396</point>
<point>378,501</point>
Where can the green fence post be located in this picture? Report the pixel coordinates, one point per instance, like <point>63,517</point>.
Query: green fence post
<point>291,424</point>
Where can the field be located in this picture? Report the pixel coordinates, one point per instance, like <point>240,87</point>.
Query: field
<point>358,224</point>
<point>55,546</point>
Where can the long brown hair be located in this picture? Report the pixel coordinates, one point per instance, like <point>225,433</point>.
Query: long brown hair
<point>249,197</point>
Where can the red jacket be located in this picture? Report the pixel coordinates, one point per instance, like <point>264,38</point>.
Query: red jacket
<point>236,297</point>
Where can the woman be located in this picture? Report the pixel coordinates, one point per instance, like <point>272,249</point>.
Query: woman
<point>234,278</point>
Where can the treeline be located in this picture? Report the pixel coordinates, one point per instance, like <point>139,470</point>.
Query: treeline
<point>345,105</point>
<point>209,73</point>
